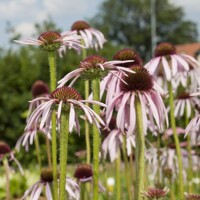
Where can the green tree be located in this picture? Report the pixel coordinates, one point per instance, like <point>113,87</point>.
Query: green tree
<point>128,22</point>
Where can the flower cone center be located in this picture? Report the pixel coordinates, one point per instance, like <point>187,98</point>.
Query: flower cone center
<point>4,148</point>
<point>47,175</point>
<point>165,49</point>
<point>49,37</point>
<point>141,80</point>
<point>128,54</point>
<point>64,93</point>
<point>80,25</point>
<point>39,88</point>
<point>83,171</point>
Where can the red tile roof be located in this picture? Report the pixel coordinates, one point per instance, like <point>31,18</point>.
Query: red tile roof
<point>190,49</point>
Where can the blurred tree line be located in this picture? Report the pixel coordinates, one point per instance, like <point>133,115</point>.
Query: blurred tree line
<point>125,24</point>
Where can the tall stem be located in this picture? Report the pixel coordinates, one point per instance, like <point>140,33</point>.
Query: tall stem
<point>127,169</point>
<point>52,65</point>
<point>176,139</point>
<point>96,139</point>
<point>117,176</point>
<point>190,174</point>
<point>6,167</point>
<point>140,148</point>
<point>87,131</point>
<point>64,133</point>
<point>37,146</point>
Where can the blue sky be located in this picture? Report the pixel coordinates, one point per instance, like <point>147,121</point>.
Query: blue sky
<point>22,14</point>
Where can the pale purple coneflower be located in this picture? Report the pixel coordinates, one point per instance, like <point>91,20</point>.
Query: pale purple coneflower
<point>139,85</point>
<point>111,83</point>
<point>194,124</point>
<point>93,67</point>
<point>185,102</point>
<point>51,41</point>
<point>190,196</point>
<point>188,78</point>
<point>168,61</point>
<point>155,193</point>
<point>39,89</point>
<point>63,98</point>
<point>46,179</point>
<point>27,138</point>
<point>84,174</point>
<point>6,152</point>
<point>114,141</point>
<point>92,38</point>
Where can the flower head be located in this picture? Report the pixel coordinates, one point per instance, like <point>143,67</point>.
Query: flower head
<point>6,152</point>
<point>46,179</point>
<point>139,85</point>
<point>169,62</point>
<point>39,88</point>
<point>190,196</point>
<point>128,54</point>
<point>64,99</point>
<point>52,41</point>
<point>93,67</point>
<point>92,38</point>
<point>83,172</point>
<point>156,193</point>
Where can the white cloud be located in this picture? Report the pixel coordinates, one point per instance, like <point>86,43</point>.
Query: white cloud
<point>26,29</point>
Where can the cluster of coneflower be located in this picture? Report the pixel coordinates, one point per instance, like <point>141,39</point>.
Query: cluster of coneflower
<point>127,102</point>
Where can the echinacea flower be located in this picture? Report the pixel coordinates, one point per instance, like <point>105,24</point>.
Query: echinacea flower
<point>185,101</point>
<point>194,123</point>
<point>6,152</point>
<point>51,40</point>
<point>92,37</point>
<point>83,173</point>
<point>93,67</point>
<point>167,60</point>
<point>155,193</point>
<point>39,89</point>
<point>111,83</point>
<point>64,98</point>
<point>139,85</point>
<point>46,179</point>
<point>114,141</point>
<point>190,196</point>
<point>29,135</point>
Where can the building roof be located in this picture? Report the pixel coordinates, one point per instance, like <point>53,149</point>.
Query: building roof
<point>190,49</point>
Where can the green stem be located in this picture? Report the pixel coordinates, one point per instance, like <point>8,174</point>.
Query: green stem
<point>96,139</point>
<point>37,146</point>
<point>87,92</point>
<point>176,139</point>
<point>127,169</point>
<point>52,65</point>
<point>64,133</point>
<point>83,189</point>
<point>140,148</point>
<point>159,161</point>
<point>6,167</point>
<point>48,151</point>
<point>190,174</point>
<point>117,175</point>
<point>87,132</point>
<point>52,69</point>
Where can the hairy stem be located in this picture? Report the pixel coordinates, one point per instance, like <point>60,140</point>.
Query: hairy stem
<point>64,133</point>
<point>52,67</point>
<point>96,139</point>
<point>6,168</point>
<point>176,139</point>
<point>140,148</point>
